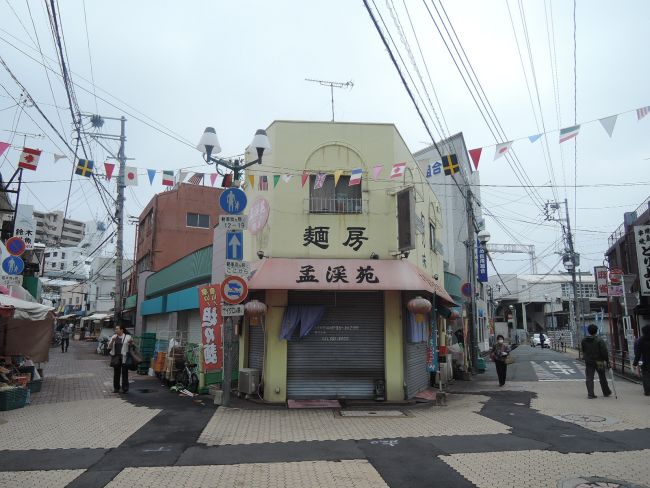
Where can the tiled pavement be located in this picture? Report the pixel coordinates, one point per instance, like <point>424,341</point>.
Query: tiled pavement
<point>39,479</point>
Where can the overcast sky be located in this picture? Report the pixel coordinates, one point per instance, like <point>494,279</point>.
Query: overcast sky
<point>238,66</point>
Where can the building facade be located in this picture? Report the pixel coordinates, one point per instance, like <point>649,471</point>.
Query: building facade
<point>174,224</point>
<point>336,264</point>
<point>53,230</point>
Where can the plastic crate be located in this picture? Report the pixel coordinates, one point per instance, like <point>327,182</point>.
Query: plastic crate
<point>35,386</point>
<point>12,398</point>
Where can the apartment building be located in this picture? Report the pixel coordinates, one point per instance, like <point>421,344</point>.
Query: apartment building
<point>53,230</point>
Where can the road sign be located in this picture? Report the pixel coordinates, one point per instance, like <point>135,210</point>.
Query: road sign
<point>232,310</point>
<point>16,246</point>
<point>233,222</point>
<point>233,201</point>
<point>13,265</point>
<point>234,289</point>
<point>235,245</point>
<point>238,268</point>
<point>11,280</point>
<point>466,289</point>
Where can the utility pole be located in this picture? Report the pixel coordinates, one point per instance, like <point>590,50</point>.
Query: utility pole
<point>119,246</point>
<point>332,85</point>
<point>471,261</point>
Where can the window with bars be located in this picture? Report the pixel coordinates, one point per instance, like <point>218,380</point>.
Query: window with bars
<point>329,198</point>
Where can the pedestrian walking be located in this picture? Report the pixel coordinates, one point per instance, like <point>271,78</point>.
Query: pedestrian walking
<point>594,352</point>
<point>642,355</point>
<point>65,337</point>
<point>542,340</point>
<point>499,354</point>
<point>119,348</point>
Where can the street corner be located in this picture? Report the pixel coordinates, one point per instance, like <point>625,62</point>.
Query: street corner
<point>73,425</point>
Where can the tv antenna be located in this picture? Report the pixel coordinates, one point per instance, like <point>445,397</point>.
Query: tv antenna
<point>332,85</point>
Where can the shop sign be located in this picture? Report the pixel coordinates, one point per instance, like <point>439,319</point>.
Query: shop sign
<point>432,347</point>
<point>319,237</point>
<point>25,225</point>
<point>642,240</point>
<point>238,268</point>
<point>233,222</point>
<point>615,288</point>
<point>335,333</point>
<point>11,280</point>
<point>600,272</point>
<point>258,215</point>
<point>335,274</point>
<point>232,310</point>
<point>211,326</point>
<point>482,274</point>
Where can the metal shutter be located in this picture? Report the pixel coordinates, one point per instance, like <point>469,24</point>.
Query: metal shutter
<point>417,375</point>
<point>194,326</point>
<point>344,354</point>
<point>255,346</point>
<point>158,324</point>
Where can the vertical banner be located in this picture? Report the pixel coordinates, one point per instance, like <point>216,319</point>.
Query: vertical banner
<point>482,274</point>
<point>600,273</point>
<point>615,288</point>
<point>432,348</point>
<point>211,326</point>
<point>642,241</point>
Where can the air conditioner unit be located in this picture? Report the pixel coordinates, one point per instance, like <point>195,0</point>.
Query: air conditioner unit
<point>249,380</point>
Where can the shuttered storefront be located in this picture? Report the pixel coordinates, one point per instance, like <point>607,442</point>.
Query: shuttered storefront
<point>417,375</point>
<point>255,346</point>
<point>158,324</point>
<point>344,354</point>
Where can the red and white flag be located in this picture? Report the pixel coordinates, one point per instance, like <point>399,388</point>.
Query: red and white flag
<point>501,149</point>
<point>29,158</point>
<point>642,112</point>
<point>398,170</point>
<point>130,176</point>
<point>195,179</point>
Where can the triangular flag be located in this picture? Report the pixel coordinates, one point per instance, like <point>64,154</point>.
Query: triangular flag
<point>130,176</point>
<point>181,176</point>
<point>168,178</point>
<point>251,178</point>
<point>213,178</point>
<point>337,175</point>
<point>535,137</point>
<point>152,174</point>
<point>276,178</point>
<point>569,133</point>
<point>608,124</point>
<point>475,154</point>
<point>109,167</point>
<point>501,149</point>
<point>3,147</point>
<point>59,156</point>
<point>376,171</point>
<point>304,177</point>
<point>287,178</point>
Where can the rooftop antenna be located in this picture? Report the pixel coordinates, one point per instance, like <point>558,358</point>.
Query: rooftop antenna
<point>332,85</point>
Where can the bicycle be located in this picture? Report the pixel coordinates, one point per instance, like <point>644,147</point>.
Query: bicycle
<point>187,377</point>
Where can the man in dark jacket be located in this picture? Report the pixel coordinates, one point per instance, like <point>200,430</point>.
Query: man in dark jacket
<point>594,352</point>
<point>642,353</point>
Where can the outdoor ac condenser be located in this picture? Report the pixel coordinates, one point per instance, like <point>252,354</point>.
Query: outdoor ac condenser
<point>249,380</point>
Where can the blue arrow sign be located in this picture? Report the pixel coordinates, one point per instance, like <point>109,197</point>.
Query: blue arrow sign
<point>13,265</point>
<point>235,245</point>
<point>233,201</point>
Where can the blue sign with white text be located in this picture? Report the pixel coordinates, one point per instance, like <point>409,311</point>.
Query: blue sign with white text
<point>233,201</point>
<point>13,265</point>
<point>482,274</point>
<point>235,245</point>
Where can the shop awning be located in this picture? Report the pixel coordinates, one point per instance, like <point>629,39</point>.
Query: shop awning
<point>96,316</point>
<point>343,275</point>
<point>66,317</point>
<point>25,310</point>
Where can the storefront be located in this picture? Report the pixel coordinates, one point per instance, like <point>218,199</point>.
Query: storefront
<point>351,339</point>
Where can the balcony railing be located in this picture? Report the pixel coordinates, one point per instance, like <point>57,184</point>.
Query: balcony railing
<point>335,205</point>
<point>620,231</point>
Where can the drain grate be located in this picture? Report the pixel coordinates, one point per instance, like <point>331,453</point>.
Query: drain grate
<point>373,413</point>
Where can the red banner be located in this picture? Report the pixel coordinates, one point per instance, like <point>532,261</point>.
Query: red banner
<point>211,326</point>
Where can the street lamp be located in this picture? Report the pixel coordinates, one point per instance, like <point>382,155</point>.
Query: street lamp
<point>483,238</point>
<point>209,144</point>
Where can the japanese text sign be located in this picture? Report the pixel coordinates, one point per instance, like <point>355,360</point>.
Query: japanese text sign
<point>642,241</point>
<point>600,273</point>
<point>211,326</point>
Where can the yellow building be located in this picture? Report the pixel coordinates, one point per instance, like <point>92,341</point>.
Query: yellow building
<point>336,263</point>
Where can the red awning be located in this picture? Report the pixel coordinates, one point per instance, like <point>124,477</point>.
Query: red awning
<point>343,275</point>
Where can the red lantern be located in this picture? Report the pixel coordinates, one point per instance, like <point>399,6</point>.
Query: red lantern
<point>419,306</point>
<point>254,310</point>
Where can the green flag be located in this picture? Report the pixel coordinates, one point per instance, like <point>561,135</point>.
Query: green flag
<point>276,178</point>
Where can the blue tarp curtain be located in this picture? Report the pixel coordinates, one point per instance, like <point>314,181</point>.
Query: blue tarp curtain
<point>417,331</point>
<point>305,316</point>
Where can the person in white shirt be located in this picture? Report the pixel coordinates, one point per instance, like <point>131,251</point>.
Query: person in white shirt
<point>118,349</point>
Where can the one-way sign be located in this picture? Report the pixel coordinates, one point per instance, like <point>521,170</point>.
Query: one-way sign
<point>235,245</point>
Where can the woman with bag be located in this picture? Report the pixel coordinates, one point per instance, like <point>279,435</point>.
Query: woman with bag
<point>119,349</point>
<point>499,354</point>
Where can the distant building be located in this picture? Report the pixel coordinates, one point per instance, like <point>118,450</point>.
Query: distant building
<point>176,223</point>
<point>53,230</point>
<point>101,283</point>
<point>66,262</point>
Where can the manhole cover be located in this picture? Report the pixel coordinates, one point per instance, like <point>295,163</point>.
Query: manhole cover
<point>575,417</point>
<point>596,482</point>
<point>372,413</point>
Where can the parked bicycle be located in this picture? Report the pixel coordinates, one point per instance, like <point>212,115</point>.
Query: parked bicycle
<point>187,376</point>
<point>56,339</point>
<point>102,347</point>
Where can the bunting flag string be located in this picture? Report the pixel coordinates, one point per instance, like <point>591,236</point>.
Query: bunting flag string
<point>376,171</point>
<point>304,178</point>
<point>130,176</point>
<point>213,178</point>
<point>3,147</point>
<point>152,174</point>
<point>355,177</point>
<point>287,178</point>
<point>569,133</point>
<point>534,138</point>
<point>276,179</point>
<point>168,178</point>
<point>85,168</point>
<point>501,149</point>
<point>264,183</point>
<point>608,124</point>
<point>475,154</point>
<point>398,170</point>
<point>251,178</point>
<point>109,167</point>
